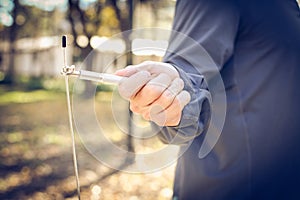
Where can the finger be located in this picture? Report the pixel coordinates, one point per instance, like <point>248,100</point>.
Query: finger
<point>168,96</point>
<point>138,109</point>
<point>158,67</point>
<point>130,86</point>
<point>163,102</point>
<point>152,90</point>
<point>128,71</point>
<point>143,111</point>
<point>152,67</point>
<point>172,115</point>
<point>183,98</point>
<point>146,115</point>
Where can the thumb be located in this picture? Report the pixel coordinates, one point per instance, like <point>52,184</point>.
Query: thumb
<point>154,68</point>
<point>126,72</point>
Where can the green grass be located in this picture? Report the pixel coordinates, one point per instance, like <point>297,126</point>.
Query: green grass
<point>9,97</point>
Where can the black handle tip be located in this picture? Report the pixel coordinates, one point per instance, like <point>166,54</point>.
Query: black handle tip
<point>64,41</point>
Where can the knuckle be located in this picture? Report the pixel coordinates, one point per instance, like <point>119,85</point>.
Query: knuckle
<point>124,92</point>
<point>168,95</point>
<point>183,98</point>
<point>176,103</point>
<point>134,108</point>
<point>146,116</point>
<point>152,90</point>
<point>166,99</point>
<point>180,83</point>
<point>158,118</point>
<point>174,122</point>
<point>159,122</point>
<point>146,65</point>
<point>147,62</point>
<point>187,96</point>
<point>174,118</point>
<point>166,77</point>
<point>156,109</point>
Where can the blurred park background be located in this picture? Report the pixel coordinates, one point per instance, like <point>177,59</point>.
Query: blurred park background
<point>35,141</point>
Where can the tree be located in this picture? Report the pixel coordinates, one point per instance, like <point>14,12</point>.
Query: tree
<point>93,21</point>
<point>12,35</point>
<point>103,18</point>
<point>28,21</point>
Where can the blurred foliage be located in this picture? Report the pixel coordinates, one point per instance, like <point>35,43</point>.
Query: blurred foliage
<point>79,19</point>
<point>29,21</point>
<point>35,142</point>
<point>26,96</point>
<point>98,17</point>
<point>24,18</point>
<point>26,83</point>
<point>36,158</point>
<point>32,83</point>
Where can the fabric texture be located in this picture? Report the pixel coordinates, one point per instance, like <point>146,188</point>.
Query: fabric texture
<point>256,48</point>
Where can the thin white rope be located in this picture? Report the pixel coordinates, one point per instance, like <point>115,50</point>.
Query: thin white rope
<point>72,135</point>
<point>71,127</point>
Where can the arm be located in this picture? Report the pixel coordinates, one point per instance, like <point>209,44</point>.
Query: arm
<point>200,47</point>
<point>198,50</point>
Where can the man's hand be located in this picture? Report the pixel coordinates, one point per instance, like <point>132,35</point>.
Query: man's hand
<point>155,91</point>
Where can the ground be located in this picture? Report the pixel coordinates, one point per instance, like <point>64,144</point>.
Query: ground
<point>36,156</point>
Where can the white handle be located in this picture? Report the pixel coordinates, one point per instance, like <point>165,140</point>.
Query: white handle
<point>99,77</point>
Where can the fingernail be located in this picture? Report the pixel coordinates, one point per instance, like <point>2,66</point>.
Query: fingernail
<point>121,72</point>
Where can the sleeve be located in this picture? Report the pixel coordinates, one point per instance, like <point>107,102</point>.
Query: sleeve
<point>201,43</point>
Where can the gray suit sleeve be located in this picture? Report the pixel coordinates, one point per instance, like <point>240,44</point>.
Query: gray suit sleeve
<point>195,115</point>
<point>210,28</point>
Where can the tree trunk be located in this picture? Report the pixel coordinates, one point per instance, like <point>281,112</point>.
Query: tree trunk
<point>13,31</point>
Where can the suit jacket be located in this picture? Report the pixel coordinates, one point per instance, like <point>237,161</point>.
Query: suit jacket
<point>254,46</point>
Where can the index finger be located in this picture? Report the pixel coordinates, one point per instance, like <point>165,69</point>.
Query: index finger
<point>128,87</point>
<point>154,68</point>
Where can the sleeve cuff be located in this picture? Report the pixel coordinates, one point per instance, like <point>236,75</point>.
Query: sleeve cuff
<point>195,115</point>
